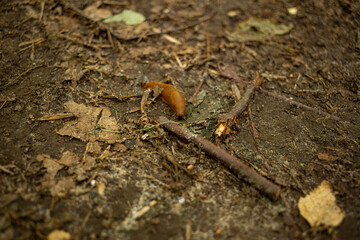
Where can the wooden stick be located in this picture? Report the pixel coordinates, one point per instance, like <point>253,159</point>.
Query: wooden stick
<point>235,165</point>
<point>241,105</point>
<point>303,106</point>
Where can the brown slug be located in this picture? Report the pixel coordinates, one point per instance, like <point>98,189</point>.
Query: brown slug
<point>171,96</point>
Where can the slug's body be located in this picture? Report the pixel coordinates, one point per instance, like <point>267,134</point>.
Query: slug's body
<point>171,96</point>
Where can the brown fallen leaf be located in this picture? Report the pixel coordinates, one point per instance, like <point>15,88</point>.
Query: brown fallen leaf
<point>51,165</point>
<point>68,159</point>
<point>110,125</point>
<point>319,207</point>
<point>81,127</point>
<point>93,123</point>
<point>61,188</point>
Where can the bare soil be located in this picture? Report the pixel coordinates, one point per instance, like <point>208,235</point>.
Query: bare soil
<point>100,187</point>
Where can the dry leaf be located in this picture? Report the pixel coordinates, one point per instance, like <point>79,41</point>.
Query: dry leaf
<point>68,159</point>
<point>109,123</point>
<point>93,147</point>
<point>326,157</point>
<point>319,207</point>
<point>85,126</point>
<point>94,12</point>
<point>118,147</point>
<point>220,129</point>
<point>61,188</point>
<point>59,235</point>
<point>52,167</point>
<point>74,74</point>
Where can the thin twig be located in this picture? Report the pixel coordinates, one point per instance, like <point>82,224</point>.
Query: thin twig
<point>303,106</point>
<point>170,158</point>
<point>42,10</point>
<point>202,80</point>
<point>77,41</point>
<point>3,104</point>
<point>192,99</point>
<point>154,126</point>
<point>241,105</point>
<point>4,169</point>
<point>120,97</point>
<point>232,163</point>
<point>11,82</point>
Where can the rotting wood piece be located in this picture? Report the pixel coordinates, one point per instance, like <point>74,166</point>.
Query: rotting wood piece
<point>235,165</point>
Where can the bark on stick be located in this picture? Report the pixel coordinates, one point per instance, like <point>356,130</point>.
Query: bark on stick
<point>235,165</point>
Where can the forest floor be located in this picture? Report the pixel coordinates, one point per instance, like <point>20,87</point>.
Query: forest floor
<point>102,169</point>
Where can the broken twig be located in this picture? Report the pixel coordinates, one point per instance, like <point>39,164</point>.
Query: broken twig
<point>202,80</point>
<point>234,164</point>
<point>168,156</point>
<point>11,82</point>
<point>241,105</point>
<point>303,106</point>
<point>120,98</point>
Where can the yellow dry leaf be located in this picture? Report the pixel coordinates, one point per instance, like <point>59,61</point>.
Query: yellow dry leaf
<point>59,235</point>
<point>319,207</point>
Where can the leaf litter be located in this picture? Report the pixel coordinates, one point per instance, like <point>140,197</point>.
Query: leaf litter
<point>74,168</point>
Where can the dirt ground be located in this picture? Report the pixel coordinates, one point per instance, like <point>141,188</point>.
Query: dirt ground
<point>105,171</point>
